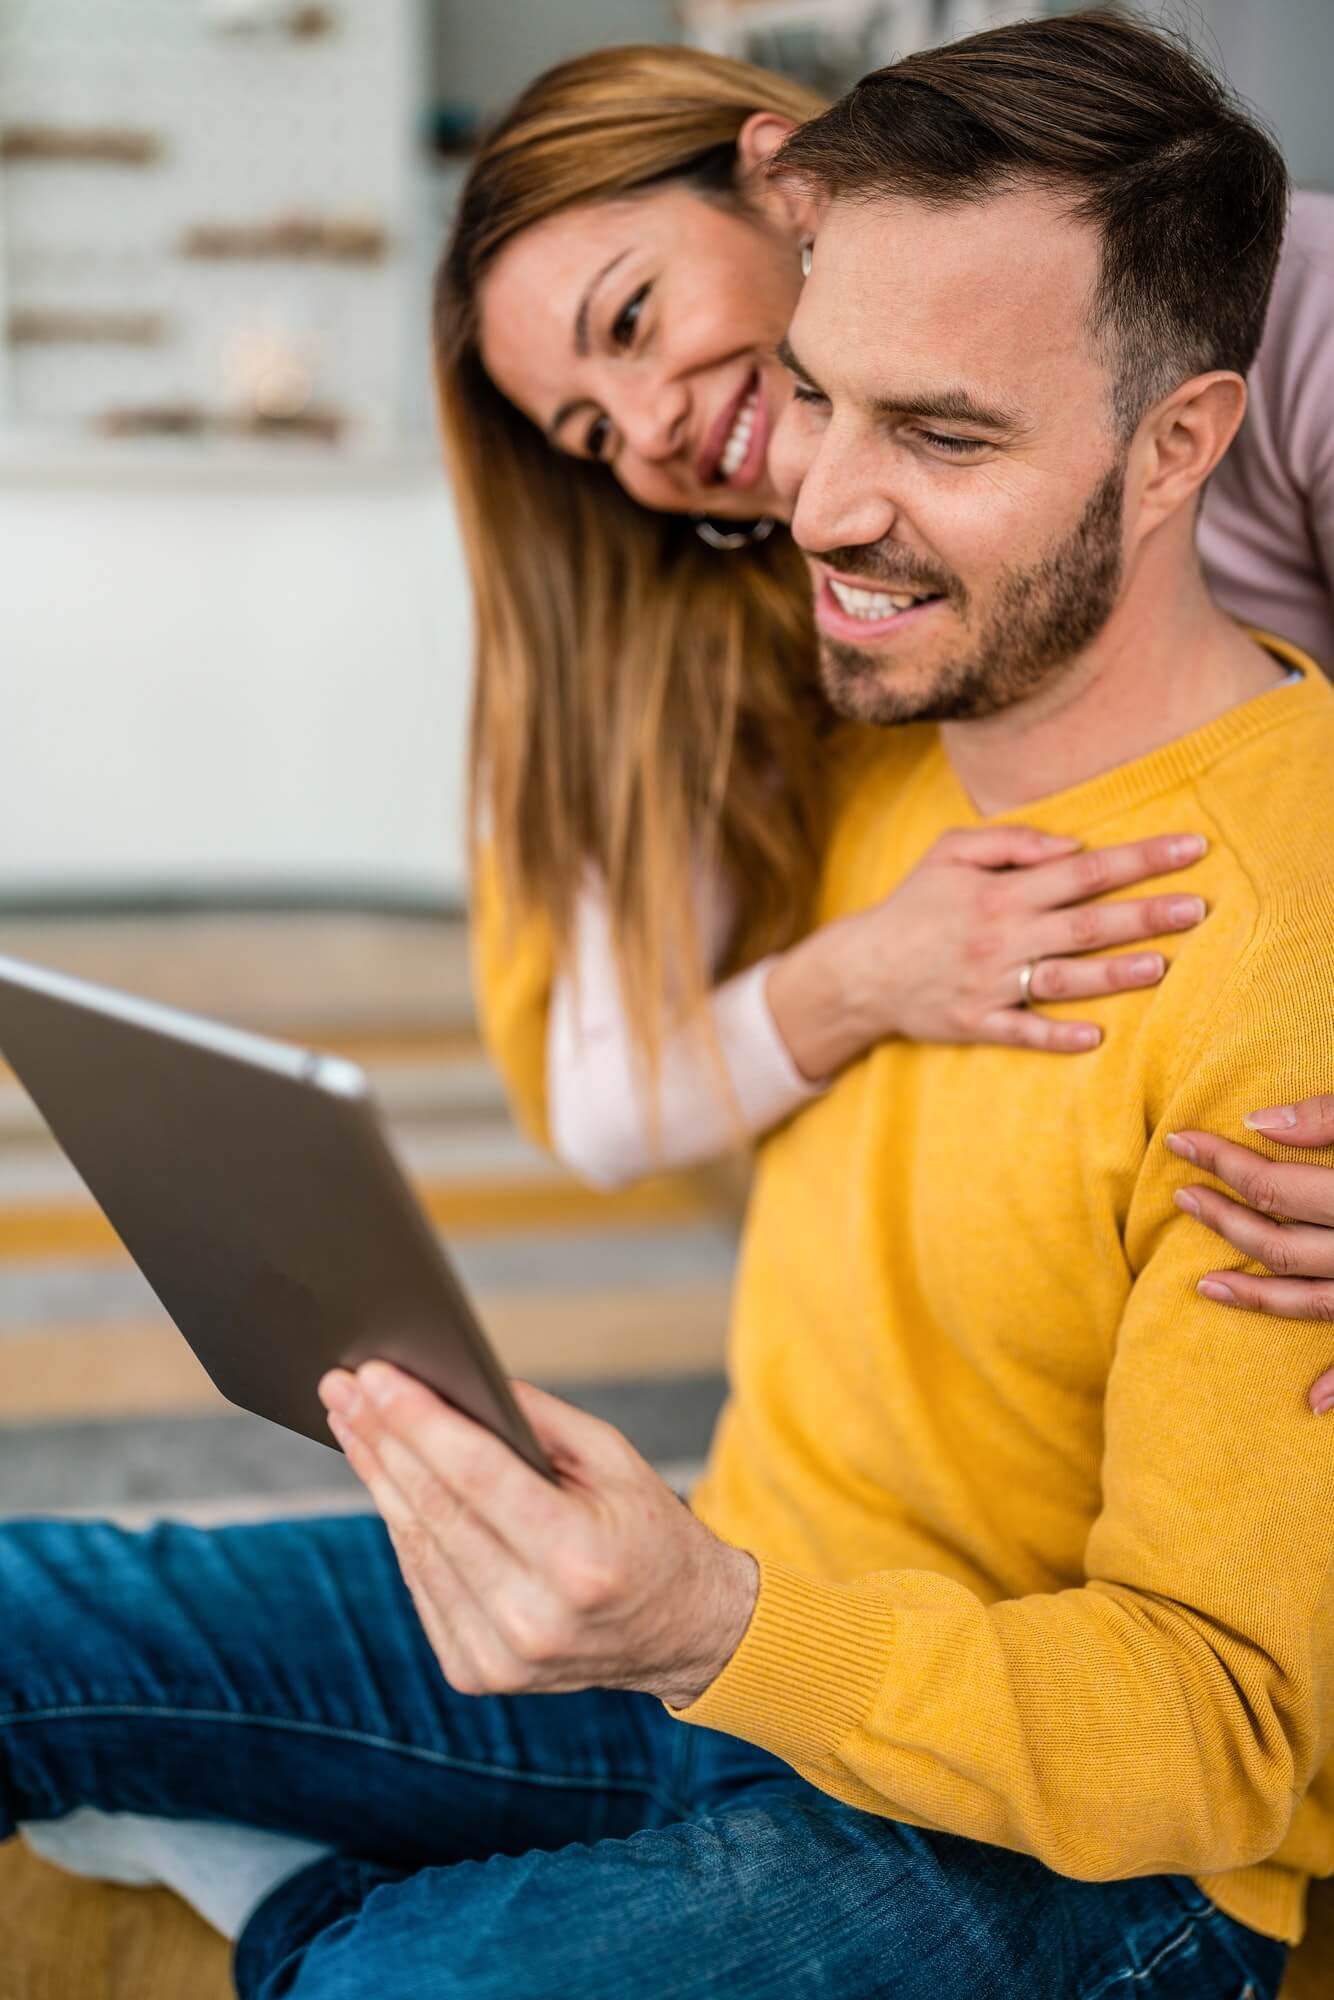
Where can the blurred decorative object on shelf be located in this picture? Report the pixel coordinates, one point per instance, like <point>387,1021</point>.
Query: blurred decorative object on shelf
<point>242,17</point>
<point>57,325</point>
<point>451,130</point>
<point>272,373</point>
<point>311,23</point>
<point>90,145</point>
<point>160,420</point>
<point>343,239</point>
<point>316,424</point>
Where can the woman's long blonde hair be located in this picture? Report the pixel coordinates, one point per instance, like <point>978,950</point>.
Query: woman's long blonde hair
<point>642,703</point>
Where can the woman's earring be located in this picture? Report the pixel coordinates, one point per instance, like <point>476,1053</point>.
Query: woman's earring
<point>807,249</point>
<point>743,537</point>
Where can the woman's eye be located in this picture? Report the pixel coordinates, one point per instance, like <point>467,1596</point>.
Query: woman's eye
<point>595,439</point>
<point>801,394</point>
<point>627,319</point>
<point>958,445</point>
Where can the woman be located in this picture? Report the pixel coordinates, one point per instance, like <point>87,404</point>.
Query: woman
<point>647,732</point>
<point>645,729</point>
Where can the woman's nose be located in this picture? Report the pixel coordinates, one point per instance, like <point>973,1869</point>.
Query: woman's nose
<point>654,418</point>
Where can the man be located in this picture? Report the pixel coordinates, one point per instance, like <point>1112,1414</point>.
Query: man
<point>1013,1561</point>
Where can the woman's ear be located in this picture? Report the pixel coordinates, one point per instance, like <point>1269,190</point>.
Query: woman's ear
<point>759,139</point>
<point>756,145</point>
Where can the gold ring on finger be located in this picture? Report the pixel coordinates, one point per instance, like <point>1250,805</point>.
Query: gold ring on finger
<point>1026,982</point>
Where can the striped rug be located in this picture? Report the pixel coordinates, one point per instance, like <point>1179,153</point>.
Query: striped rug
<point>617,1301</point>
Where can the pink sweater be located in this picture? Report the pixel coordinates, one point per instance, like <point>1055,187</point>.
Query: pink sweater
<point>1266,538</point>
<point>1267,524</point>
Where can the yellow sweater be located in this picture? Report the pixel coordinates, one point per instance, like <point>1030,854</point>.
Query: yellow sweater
<point>1046,1539</point>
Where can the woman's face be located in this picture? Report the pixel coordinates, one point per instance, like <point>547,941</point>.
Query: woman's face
<point>641,333</point>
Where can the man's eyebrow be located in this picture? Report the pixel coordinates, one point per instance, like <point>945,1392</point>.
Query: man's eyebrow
<point>949,406</point>
<point>787,355</point>
<point>954,406</point>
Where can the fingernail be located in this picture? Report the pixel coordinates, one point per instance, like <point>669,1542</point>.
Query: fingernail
<point>1182,1147</point>
<point>378,1382</point>
<point>1324,1406</point>
<point>1279,1118</point>
<point>338,1392</point>
<point>1058,840</point>
<point>1210,1288</point>
<point>1186,910</point>
<point>1151,966</point>
<point>1189,847</point>
<point>1185,1199</point>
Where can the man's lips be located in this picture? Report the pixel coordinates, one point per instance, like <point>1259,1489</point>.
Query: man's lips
<point>837,623</point>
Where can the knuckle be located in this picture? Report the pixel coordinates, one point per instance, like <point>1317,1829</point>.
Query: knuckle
<point>1053,980</point>
<point>1323,1107</point>
<point>415,1544</point>
<point>1087,928</point>
<point>992,899</point>
<point>592,1583</point>
<point>1277,1253</point>
<point>1259,1190</point>
<point>1322,1304</point>
<point>532,1638</point>
<point>1092,871</point>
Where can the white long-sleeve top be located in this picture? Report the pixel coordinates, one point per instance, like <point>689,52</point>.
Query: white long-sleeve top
<point>598,1099</point>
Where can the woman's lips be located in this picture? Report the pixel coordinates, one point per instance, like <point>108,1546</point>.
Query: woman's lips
<point>746,474</point>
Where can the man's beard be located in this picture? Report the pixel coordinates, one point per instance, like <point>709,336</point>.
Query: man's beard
<point>1042,620</point>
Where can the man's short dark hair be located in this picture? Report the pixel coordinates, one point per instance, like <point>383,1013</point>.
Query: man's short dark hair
<point>1189,193</point>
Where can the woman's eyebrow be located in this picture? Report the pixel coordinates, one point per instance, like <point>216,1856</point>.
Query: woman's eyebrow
<point>581,316</point>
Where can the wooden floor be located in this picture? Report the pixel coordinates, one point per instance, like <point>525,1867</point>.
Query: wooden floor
<point>65,1939</point>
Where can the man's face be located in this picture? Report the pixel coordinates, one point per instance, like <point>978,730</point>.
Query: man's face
<point>952,443</point>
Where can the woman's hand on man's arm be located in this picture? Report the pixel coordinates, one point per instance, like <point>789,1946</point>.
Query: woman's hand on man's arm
<point>941,958</point>
<point>1299,1250</point>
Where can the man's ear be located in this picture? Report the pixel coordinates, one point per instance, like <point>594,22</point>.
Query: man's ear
<point>1186,435</point>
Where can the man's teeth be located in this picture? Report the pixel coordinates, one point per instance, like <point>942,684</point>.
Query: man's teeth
<point>738,438</point>
<point>870,604</point>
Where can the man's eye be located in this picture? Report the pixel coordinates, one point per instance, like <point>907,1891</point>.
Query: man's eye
<point>944,442</point>
<point>802,394</point>
<point>595,439</point>
<point>627,319</point>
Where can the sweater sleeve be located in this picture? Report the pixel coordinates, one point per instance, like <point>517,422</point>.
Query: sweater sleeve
<point>513,966</point>
<point>1167,1711</point>
<point>608,1124</point>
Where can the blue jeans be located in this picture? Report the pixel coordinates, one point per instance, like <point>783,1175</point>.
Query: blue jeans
<point>514,1847</point>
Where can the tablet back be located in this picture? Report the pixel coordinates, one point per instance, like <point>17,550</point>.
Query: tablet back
<point>252,1184</point>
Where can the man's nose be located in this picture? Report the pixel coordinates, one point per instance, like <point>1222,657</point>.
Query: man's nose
<point>839,499</point>
<point>653,417</point>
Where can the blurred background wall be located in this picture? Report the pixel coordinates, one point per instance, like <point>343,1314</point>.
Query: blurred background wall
<point>233,617</point>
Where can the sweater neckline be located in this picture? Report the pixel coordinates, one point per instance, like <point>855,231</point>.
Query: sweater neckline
<point>1168,767</point>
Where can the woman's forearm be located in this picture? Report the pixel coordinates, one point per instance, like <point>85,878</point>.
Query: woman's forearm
<point>819,1002</point>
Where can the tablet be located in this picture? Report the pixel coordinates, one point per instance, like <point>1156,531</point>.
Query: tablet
<point>253,1184</point>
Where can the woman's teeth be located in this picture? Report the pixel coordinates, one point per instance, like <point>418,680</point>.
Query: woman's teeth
<point>870,604</point>
<point>738,438</point>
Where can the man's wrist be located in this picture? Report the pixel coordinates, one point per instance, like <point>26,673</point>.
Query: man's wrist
<point>725,1603</point>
